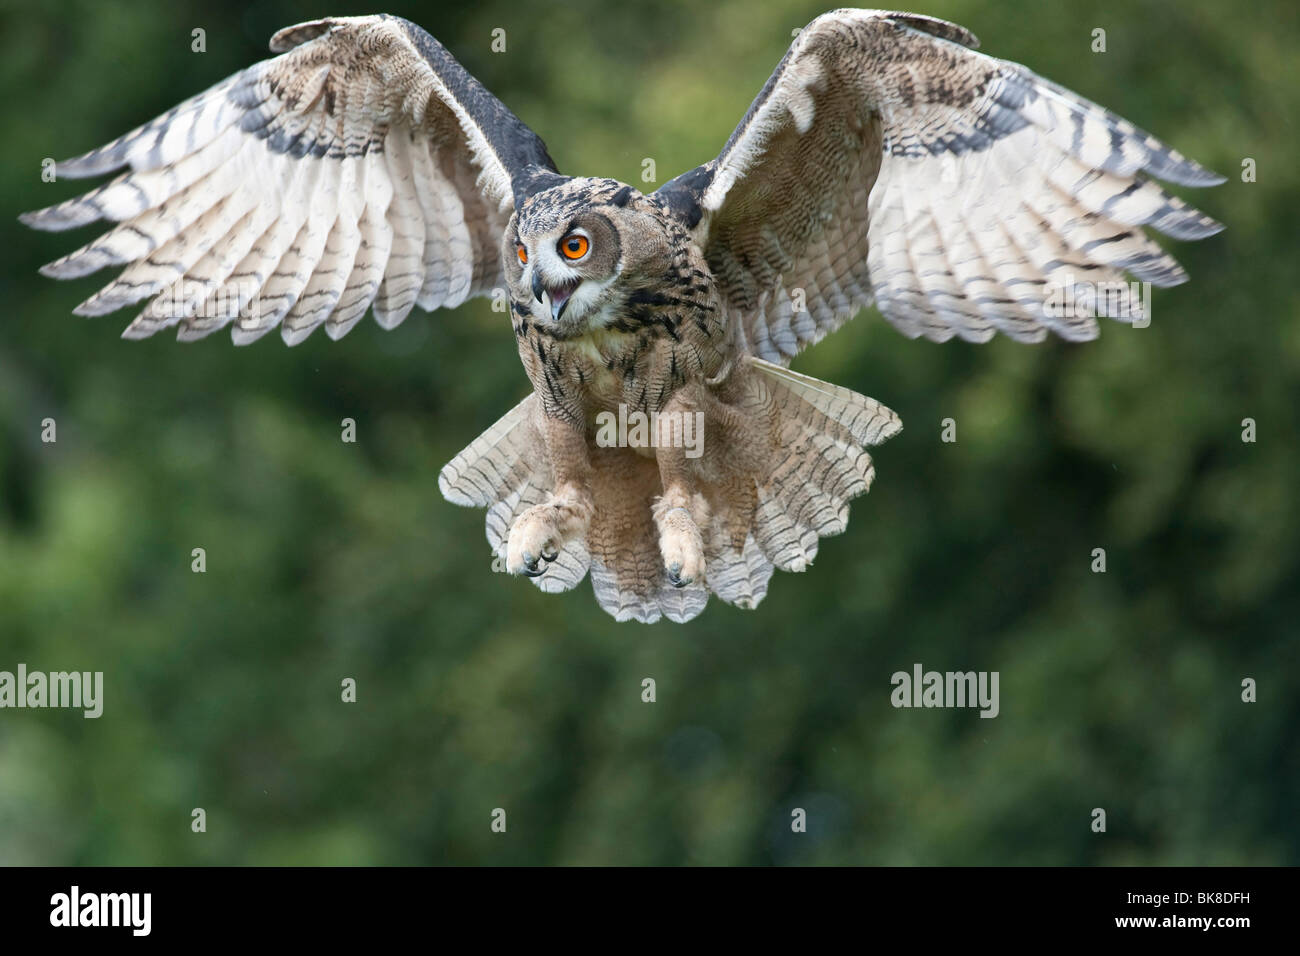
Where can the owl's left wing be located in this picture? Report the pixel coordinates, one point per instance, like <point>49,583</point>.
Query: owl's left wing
<point>362,167</point>
<point>885,161</point>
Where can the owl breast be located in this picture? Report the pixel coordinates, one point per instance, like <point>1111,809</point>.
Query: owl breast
<point>629,365</point>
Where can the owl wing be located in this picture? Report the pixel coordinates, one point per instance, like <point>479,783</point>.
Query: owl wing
<point>362,167</point>
<point>885,161</point>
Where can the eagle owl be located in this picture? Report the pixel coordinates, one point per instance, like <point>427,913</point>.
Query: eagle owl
<point>884,163</point>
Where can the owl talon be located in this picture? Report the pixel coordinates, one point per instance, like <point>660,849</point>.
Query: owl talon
<point>540,534</point>
<point>682,547</point>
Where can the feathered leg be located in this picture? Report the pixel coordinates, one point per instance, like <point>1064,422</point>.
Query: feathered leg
<point>540,533</point>
<point>681,510</point>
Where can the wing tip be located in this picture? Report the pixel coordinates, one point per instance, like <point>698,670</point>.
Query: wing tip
<point>449,491</point>
<point>96,163</point>
<point>893,425</point>
<point>286,38</point>
<point>937,27</point>
<point>1211,227</point>
<point>1189,173</point>
<point>56,218</point>
<point>135,333</point>
<point>93,308</point>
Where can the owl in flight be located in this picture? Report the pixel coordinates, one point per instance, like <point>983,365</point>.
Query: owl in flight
<point>665,449</point>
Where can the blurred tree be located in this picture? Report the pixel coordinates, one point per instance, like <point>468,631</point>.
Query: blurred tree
<point>327,560</point>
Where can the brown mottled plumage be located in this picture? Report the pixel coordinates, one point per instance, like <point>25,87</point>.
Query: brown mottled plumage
<point>885,162</point>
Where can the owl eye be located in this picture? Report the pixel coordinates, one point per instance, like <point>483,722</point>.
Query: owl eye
<point>574,245</point>
<point>522,253</point>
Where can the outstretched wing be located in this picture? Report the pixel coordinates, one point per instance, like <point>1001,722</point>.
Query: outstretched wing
<point>887,161</point>
<point>362,167</point>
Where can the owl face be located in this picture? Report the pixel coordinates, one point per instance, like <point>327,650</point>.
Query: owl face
<point>568,248</point>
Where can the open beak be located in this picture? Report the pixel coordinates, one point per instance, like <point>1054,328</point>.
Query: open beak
<point>559,295</point>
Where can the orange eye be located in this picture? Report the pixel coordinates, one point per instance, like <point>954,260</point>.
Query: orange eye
<point>574,246</point>
<point>522,253</point>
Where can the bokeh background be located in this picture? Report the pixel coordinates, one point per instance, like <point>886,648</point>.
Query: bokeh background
<point>328,560</point>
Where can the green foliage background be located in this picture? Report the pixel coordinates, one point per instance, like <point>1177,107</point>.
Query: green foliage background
<point>327,560</point>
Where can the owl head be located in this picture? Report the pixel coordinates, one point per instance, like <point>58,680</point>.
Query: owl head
<point>572,251</point>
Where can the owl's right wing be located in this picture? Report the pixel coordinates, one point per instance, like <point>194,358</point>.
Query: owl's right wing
<point>362,167</point>
<point>886,161</point>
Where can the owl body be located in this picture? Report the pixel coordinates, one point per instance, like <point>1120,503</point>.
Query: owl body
<point>885,163</point>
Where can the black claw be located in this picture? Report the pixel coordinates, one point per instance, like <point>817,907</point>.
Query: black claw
<point>675,578</point>
<point>548,558</point>
<point>533,571</point>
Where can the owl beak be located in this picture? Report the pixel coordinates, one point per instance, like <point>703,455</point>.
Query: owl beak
<point>559,295</point>
<point>560,300</point>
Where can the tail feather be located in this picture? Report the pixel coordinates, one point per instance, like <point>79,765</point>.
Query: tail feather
<point>789,545</point>
<point>499,461</point>
<point>627,570</point>
<point>767,493</point>
<point>865,419</point>
<point>822,462</point>
<point>741,577</point>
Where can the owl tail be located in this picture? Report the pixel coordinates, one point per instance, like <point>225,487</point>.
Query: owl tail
<point>789,478</point>
<point>767,493</point>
